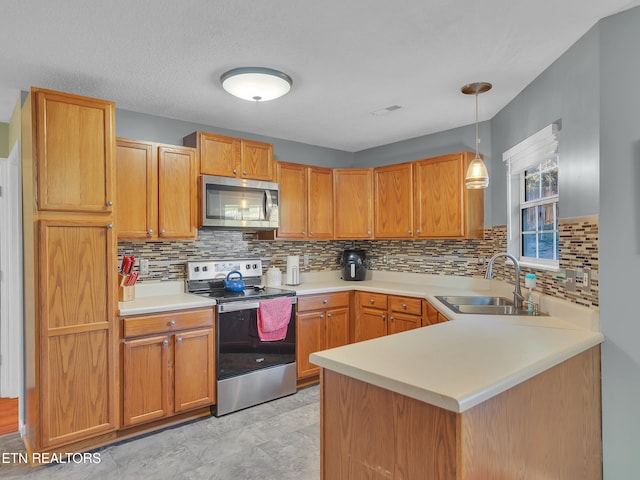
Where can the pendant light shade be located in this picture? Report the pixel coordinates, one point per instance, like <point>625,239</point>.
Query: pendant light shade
<point>256,84</point>
<point>477,174</point>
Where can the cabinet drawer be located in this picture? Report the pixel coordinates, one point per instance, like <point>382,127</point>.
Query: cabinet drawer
<point>409,305</point>
<point>372,300</point>
<point>316,302</point>
<point>166,322</point>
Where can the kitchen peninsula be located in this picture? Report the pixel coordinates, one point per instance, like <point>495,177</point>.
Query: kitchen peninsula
<point>478,397</point>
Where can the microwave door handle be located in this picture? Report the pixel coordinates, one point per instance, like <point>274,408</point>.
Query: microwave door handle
<point>268,205</point>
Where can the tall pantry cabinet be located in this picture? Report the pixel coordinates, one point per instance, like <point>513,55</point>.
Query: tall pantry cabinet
<point>68,145</point>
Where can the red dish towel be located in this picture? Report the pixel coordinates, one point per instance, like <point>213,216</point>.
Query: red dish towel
<point>273,319</point>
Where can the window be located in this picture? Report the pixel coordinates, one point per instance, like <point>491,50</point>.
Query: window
<point>532,193</point>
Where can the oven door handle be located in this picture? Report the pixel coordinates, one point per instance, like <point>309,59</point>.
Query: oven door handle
<point>237,306</point>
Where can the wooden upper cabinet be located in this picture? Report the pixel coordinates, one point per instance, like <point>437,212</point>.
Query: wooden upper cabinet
<point>353,203</point>
<point>256,160</point>
<point>74,158</point>
<point>136,189</point>
<point>232,157</point>
<point>292,178</point>
<point>177,192</point>
<point>157,191</point>
<point>306,201</point>
<point>393,201</point>
<point>444,207</point>
<point>320,202</point>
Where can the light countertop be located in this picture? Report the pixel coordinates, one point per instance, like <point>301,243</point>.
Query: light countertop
<point>154,297</point>
<point>459,364</point>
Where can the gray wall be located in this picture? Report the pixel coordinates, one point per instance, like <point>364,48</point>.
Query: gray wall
<point>567,90</point>
<point>620,242</point>
<point>152,128</point>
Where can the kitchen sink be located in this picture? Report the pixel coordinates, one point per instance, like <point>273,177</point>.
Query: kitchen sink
<point>474,300</point>
<point>483,305</point>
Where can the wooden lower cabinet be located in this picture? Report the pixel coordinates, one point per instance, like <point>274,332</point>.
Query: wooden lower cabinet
<point>546,427</point>
<point>431,315</point>
<point>168,364</point>
<point>377,315</point>
<point>323,322</point>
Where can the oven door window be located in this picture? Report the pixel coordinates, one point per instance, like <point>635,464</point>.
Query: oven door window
<point>240,350</point>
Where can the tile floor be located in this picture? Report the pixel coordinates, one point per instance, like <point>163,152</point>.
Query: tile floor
<point>278,440</point>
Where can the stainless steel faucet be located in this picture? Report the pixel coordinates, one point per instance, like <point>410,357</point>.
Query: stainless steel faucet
<point>517,293</point>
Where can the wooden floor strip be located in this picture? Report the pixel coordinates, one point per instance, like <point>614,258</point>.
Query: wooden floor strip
<point>8,415</point>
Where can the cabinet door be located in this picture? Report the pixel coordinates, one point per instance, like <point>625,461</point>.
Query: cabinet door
<point>145,395</point>
<point>439,184</point>
<point>75,153</point>
<point>219,154</point>
<point>194,369</point>
<point>370,323</point>
<point>353,207</point>
<point>432,316</point>
<point>177,194</point>
<point>401,322</point>
<point>336,327</point>
<point>257,160</point>
<point>320,203</point>
<point>293,200</point>
<point>77,366</point>
<point>310,338</point>
<point>394,201</point>
<point>136,190</point>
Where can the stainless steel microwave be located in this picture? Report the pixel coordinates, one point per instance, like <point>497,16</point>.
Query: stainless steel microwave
<point>233,203</point>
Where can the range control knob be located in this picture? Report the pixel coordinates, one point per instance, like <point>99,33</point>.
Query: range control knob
<point>196,269</point>
<point>204,269</point>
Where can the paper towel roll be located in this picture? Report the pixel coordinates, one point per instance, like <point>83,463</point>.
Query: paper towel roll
<point>293,270</point>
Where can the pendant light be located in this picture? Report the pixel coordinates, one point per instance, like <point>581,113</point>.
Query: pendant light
<point>257,84</point>
<point>477,174</point>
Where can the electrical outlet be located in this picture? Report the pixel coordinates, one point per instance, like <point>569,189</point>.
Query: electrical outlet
<point>586,279</point>
<point>570,280</point>
<point>144,266</point>
<point>385,258</point>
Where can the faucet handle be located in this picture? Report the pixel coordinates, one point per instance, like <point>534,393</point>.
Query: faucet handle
<point>535,306</point>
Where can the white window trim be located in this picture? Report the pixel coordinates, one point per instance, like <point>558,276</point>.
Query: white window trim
<point>531,151</point>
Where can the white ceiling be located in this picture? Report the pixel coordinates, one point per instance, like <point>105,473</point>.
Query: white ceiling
<point>347,59</point>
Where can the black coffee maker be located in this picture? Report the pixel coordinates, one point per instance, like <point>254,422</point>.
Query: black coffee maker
<point>353,265</point>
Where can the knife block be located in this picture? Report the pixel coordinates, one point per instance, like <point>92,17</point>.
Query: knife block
<point>125,294</point>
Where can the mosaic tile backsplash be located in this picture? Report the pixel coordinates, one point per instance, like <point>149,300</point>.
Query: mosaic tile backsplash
<point>578,250</point>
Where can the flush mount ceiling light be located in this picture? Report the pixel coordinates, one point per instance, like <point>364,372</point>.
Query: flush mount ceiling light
<point>477,174</point>
<point>257,84</point>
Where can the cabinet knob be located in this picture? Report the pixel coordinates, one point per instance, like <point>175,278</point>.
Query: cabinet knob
<point>409,232</point>
<point>149,232</point>
<point>368,232</point>
<point>179,339</point>
<point>311,234</point>
<point>110,226</point>
<point>166,342</point>
<point>329,315</point>
<point>109,203</point>
<point>235,171</point>
<point>162,232</point>
<point>322,315</point>
<point>404,306</point>
<point>372,301</point>
<point>244,172</point>
<point>325,301</point>
<point>172,323</point>
<point>391,319</point>
<point>384,317</point>
<point>418,231</point>
<point>304,233</point>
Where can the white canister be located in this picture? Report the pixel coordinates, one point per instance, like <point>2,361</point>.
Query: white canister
<point>274,277</point>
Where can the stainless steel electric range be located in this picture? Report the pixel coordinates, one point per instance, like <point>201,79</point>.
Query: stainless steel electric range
<point>249,371</point>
